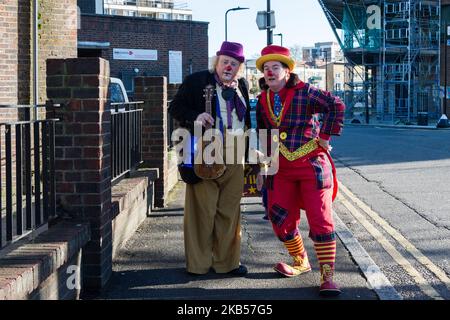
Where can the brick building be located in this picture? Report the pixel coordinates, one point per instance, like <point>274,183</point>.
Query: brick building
<point>57,39</point>
<point>155,40</point>
<point>59,166</point>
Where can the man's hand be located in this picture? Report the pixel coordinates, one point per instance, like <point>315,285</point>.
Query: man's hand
<point>205,119</point>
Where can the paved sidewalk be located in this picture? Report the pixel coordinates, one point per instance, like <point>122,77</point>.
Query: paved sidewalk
<point>151,264</point>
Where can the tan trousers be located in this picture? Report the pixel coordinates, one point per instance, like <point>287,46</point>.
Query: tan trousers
<point>212,227</point>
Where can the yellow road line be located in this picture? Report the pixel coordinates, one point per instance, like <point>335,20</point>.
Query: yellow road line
<point>426,262</point>
<point>390,249</point>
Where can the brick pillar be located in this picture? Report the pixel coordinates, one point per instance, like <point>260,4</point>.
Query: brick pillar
<point>82,159</point>
<point>153,91</point>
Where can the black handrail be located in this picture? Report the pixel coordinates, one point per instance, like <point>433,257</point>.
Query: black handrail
<point>27,178</point>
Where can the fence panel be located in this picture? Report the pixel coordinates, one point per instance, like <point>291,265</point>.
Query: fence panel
<point>27,175</point>
<point>126,133</point>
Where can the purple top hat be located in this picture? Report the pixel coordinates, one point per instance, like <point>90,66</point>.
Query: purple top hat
<point>232,49</point>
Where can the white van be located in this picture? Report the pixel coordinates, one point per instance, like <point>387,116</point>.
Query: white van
<point>117,92</point>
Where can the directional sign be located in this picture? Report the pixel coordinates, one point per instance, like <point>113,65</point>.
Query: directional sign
<point>134,54</point>
<point>261,20</point>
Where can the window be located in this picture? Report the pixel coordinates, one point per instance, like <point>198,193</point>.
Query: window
<point>115,93</point>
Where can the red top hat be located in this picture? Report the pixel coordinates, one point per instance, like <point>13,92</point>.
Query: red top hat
<point>232,49</point>
<point>275,53</point>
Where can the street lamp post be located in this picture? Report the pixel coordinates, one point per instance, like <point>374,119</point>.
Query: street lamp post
<point>226,23</point>
<point>281,36</point>
<point>326,68</point>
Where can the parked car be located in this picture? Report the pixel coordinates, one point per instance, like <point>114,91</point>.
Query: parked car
<point>253,103</point>
<point>117,92</point>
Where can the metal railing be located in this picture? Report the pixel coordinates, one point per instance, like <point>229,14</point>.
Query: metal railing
<point>27,176</point>
<point>172,124</point>
<point>126,138</point>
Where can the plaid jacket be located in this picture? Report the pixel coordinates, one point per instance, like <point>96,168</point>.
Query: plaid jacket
<point>300,121</point>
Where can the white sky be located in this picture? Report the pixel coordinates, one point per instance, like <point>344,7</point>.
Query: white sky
<point>301,22</point>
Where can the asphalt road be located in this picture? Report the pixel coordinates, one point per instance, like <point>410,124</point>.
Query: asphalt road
<point>392,217</point>
<point>397,203</point>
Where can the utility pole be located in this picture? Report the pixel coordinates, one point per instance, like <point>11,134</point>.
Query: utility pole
<point>443,121</point>
<point>269,30</point>
<point>447,26</point>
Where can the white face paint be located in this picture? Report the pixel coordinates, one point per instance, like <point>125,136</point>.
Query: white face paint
<point>227,68</point>
<point>275,75</point>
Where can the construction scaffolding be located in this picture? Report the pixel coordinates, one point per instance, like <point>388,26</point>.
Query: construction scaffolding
<point>392,58</point>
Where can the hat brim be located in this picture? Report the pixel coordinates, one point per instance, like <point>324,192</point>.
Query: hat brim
<point>274,57</point>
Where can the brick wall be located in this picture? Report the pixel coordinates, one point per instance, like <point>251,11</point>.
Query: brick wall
<point>153,91</point>
<point>82,155</point>
<point>57,38</point>
<point>8,51</point>
<point>46,267</point>
<point>58,35</point>
<point>190,37</point>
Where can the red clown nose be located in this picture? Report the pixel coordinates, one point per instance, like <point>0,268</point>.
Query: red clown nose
<point>228,68</point>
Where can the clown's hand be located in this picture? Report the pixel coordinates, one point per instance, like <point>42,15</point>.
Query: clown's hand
<point>324,144</point>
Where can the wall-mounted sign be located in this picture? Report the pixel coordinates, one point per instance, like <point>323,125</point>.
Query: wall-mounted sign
<point>175,67</point>
<point>134,54</point>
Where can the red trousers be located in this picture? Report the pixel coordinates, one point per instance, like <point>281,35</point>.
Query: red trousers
<point>302,184</point>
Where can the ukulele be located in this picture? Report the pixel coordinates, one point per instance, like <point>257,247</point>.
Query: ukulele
<point>204,167</point>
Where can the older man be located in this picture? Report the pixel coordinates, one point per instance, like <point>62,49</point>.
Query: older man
<point>212,229</point>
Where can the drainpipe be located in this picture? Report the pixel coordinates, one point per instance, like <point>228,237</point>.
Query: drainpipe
<point>35,57</point>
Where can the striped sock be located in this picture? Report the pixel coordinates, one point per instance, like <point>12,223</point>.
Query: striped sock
<point>326,252</point>
<point>295,246</point>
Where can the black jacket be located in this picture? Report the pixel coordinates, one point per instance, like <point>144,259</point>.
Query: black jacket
<point>189,102</point>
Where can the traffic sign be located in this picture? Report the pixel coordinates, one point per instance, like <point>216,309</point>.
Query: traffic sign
<point>261,20</point>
